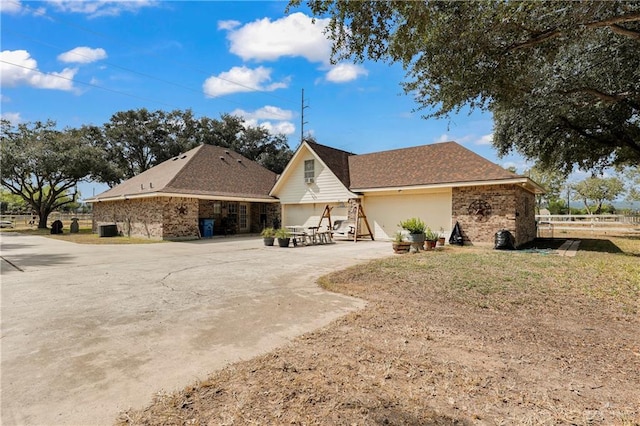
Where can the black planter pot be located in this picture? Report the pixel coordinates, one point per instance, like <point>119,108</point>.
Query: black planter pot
<point>284,242</point>
<point>268,241</point>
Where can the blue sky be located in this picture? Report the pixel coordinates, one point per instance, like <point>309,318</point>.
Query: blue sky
<point>78,62</point>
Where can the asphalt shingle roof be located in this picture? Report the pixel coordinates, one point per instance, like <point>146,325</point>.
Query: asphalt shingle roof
<point>446,162</point>
<point>206,170</point>
<point>336,159</point>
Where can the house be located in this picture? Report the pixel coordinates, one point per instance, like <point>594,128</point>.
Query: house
<point>442,184</point>
<point>207,190</point>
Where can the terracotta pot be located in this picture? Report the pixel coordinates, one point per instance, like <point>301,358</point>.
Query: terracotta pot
<point>401,247</point>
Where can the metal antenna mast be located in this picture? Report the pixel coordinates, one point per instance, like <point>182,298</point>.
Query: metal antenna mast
<point>302,122</point>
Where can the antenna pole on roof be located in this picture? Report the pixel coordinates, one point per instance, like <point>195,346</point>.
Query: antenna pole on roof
<point>302,122</point>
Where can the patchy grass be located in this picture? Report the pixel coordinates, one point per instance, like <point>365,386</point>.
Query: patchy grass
<point>85,236</point>
<point>454,337</point>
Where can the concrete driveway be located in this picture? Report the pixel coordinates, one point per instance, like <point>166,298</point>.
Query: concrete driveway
<point>91,330</point>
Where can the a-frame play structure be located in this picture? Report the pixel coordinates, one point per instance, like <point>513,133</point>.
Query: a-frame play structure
<point>360,218</point>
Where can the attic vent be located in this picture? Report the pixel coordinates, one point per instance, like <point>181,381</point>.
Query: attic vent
<point>222,158</point>
<point>150,184</point>
<point>142,186</point>
<point>174,158</point>
<point>239,160</point>
<point>226,152</point>
<point>183,157</point>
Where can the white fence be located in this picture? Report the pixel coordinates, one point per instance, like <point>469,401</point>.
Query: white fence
<point>592,223</point>
<point>27,220</point>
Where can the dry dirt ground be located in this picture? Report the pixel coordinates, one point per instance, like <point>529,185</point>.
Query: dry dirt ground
<point>456,337</point>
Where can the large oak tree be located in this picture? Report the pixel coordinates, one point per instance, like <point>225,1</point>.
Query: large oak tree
<point>562,79</point>
<point>136,140</point>
<point>43,165</point>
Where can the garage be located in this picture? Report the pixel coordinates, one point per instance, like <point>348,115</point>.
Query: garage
<point>385,211</point>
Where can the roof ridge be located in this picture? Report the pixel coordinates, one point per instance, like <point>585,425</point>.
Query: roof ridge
<point>411,147</point>
<point>330,147</point>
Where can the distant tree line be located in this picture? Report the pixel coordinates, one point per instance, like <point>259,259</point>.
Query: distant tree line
<point>43,165</point>
<point>597,193</point>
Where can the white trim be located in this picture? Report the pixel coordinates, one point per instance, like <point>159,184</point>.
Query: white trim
<point>175,194</point>
<point>295,203</point>
<point>278,183</point>
<point>526,182</point>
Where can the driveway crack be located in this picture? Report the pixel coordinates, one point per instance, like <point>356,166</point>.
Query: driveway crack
<point>12,264</point>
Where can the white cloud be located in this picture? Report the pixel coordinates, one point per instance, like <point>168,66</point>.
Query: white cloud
<point>95,9</point>
<point>281,127</point>
<point>344,72</point>
<point>19,68</point>
<point>228,25</point>
<point>509,164</point>
<point>485,140</point>
<point>241,79</point>
<point>274,119</point>
<point>443,138</point>
<point>10,6</point>
<point>83,55</point>
<point>267,112</point>
<point>294,35</point>
<point>13,117</point>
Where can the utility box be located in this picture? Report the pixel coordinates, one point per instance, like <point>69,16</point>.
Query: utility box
<point>108,230</point>
<point>206,228</point>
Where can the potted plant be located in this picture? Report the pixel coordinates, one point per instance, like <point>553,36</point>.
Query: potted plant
<point>441,237</point>
<point>399,244</point>
<point>268,236</point>
<point>416,228</point>
<point>431,238</point>
<point>284,237</point>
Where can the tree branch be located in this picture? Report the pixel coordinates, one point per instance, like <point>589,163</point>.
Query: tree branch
<point>631,17</point>
<point>612,23</point>
<point>607,97</point>
<point>625,31</point>
<point>621,140</point>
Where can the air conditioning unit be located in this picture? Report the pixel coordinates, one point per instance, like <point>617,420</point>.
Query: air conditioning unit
<point>308,180</point>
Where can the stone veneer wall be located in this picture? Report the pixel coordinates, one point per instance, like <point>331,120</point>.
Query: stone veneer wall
<point>180,218</point>
<point>269,213</point>
<point>154,218</point>
<point>526,229</point>
<point>172,218</point>
<point>512,208</point>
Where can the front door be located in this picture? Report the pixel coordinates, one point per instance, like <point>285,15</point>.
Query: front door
<point>243,217</point>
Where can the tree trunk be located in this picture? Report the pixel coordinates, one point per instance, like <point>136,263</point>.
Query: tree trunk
<point>43,214</point>
<point>42,222</point>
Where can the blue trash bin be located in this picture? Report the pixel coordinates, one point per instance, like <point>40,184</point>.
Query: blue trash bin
<point>206,228</point>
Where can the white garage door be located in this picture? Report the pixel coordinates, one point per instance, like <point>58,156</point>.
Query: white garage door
<point>386,211</point>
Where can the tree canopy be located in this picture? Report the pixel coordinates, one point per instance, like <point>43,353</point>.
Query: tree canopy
<point>136,140</point>
<point>562,79</point>
<point>553,183</point>
<point>43,165</point>
<point>598,190</point>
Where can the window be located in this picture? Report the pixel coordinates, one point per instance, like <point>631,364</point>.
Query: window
<point>309,171</point>
<point>243,221</point>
